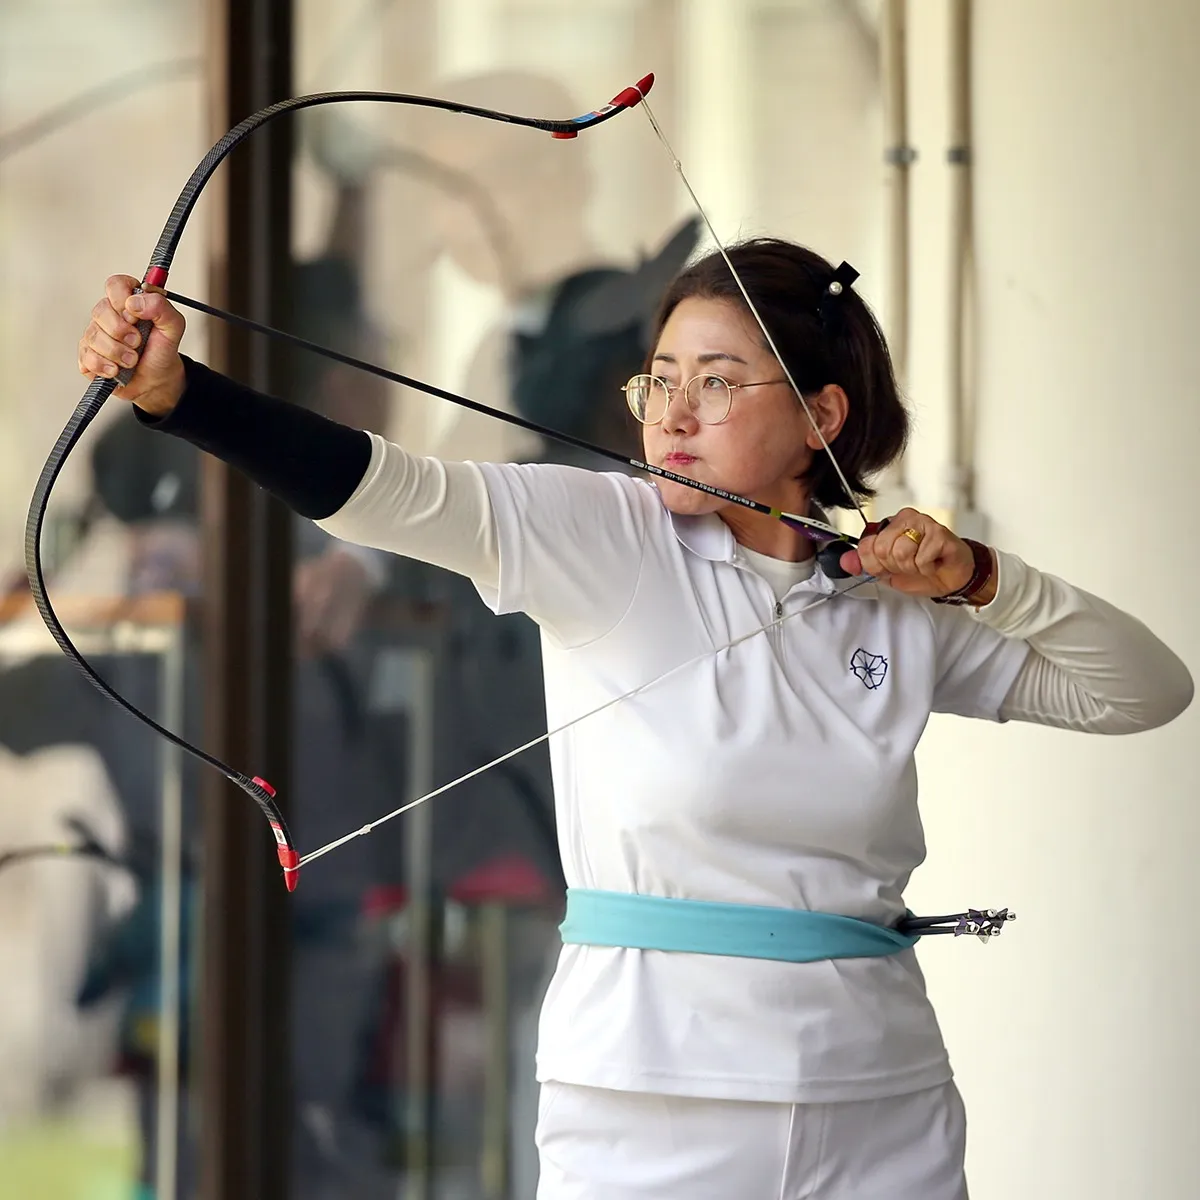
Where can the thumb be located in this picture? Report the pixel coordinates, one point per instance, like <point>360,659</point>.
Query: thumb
<point>851,562</point>
<point>161,325</point>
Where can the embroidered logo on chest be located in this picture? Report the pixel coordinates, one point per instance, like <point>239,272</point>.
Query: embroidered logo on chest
<point>870,668</point>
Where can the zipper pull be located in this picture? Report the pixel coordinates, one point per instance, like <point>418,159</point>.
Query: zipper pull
<point>779,608</point>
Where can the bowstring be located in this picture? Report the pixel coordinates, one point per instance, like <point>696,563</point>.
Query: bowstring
<point>544,737</point>
<point>662,137</point>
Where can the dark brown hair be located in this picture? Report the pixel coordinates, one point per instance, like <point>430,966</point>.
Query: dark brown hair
<point>822,339</point>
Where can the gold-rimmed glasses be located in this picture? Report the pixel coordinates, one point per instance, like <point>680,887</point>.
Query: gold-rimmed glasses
<point>709,397</point>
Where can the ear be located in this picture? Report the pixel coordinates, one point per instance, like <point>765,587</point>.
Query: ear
<point>829,407</point>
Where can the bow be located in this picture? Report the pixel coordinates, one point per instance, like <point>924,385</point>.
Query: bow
<point>832,542</point>
<point>257,788</point>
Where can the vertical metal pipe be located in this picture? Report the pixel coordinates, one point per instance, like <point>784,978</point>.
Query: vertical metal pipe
<point>717,74</point>
<point>898,155</point>
<point>960,481</point>
<point>892,489</point>
<point>423,921</point>
<point>495,1169</point>
<point>166,1166</point>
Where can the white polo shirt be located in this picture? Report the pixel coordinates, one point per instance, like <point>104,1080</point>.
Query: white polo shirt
<point>777,772</point>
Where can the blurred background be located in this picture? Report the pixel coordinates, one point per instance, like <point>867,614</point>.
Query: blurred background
<point>1016,182</point>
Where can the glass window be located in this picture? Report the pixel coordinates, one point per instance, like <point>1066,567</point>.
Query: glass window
<point>96,1016</point>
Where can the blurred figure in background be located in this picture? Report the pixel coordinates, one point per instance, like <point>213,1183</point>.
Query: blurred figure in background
<point>152,490</point>
<point>565,369</point>
<point>510,212</point>
<point>52,904</point>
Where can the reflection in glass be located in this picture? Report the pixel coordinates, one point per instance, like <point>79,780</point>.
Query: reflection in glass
<point>98,946</point>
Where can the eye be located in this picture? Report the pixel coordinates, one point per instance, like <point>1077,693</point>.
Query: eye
<point>713,383</point>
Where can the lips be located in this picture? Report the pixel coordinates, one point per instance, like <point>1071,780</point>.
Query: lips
<point>678,459</point>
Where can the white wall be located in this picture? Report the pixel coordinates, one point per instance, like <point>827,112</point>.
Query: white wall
<point>1074,1037</point>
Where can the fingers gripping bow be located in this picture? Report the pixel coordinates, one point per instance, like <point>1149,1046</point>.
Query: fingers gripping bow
<point>100,389</point>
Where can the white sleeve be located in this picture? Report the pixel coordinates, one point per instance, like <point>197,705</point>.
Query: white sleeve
<point>423,508</point>
<point>975,665</point>
<point>571,544</point>
<point>1092,667</point>
<point>563,545</point>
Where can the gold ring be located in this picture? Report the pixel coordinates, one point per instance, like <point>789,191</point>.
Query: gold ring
<point>914,535</point>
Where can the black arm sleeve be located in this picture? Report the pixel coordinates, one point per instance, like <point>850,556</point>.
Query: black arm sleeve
<point>311,463</point>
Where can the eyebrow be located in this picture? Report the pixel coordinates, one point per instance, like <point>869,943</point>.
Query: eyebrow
<point>714,356</point>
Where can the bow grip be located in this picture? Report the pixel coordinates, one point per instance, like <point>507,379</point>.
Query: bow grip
<point>125,374</point>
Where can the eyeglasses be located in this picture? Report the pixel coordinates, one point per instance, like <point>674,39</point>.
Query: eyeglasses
<point>709,397</point>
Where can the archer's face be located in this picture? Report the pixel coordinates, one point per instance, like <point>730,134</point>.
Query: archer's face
<point>765,443</point>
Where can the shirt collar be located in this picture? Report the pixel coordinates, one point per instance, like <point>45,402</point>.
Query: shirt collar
<point>707,536</point>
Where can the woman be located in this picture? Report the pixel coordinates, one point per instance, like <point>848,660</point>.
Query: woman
<point>763,771</point>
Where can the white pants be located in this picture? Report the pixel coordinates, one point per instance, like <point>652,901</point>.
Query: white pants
<point>605,1145</point>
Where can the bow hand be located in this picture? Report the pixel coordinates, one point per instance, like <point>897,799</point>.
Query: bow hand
<point>914,554</point>
<point>133,338</point>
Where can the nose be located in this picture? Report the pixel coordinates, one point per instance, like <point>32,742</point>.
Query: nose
<point>678,416</point>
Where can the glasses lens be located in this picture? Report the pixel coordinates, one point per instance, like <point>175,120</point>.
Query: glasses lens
<point>647,398</point>
<point>709,397</point>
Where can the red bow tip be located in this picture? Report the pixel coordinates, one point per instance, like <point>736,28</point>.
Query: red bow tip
<point>633,95</point>
<point>290,861</point>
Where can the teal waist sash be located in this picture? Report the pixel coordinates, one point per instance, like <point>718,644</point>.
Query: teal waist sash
<point>596,918</point>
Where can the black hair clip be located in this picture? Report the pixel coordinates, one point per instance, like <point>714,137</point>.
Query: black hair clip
<point>827,307</point>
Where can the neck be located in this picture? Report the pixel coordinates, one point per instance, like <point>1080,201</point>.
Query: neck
<point>767,535</point>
